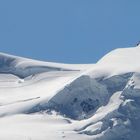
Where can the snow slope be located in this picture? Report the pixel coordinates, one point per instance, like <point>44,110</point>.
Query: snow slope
<point>44,100</point>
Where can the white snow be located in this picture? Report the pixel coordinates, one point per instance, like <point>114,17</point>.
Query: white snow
<point>54,101</point>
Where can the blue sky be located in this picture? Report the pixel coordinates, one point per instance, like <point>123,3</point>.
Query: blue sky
<point>69,31</point>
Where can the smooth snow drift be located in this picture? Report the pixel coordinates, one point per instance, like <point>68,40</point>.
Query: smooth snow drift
<point>53,101</point>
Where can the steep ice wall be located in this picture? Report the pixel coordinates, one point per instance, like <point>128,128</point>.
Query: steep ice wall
<point>84,96</point>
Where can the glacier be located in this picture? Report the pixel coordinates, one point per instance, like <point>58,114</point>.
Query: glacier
<point>55,101</point>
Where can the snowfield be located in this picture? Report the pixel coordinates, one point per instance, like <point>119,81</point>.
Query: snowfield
<point>54,101</point>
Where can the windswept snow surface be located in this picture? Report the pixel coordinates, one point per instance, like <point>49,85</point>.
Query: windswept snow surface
<point>54,101</point>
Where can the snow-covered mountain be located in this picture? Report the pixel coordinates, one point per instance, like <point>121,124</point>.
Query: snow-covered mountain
<point>53,101</point>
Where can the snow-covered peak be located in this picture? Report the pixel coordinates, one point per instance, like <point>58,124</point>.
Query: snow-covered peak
<point>122,57</point>
<point>118,61</point>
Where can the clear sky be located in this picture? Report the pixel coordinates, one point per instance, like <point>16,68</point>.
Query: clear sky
<point>69,31</point>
